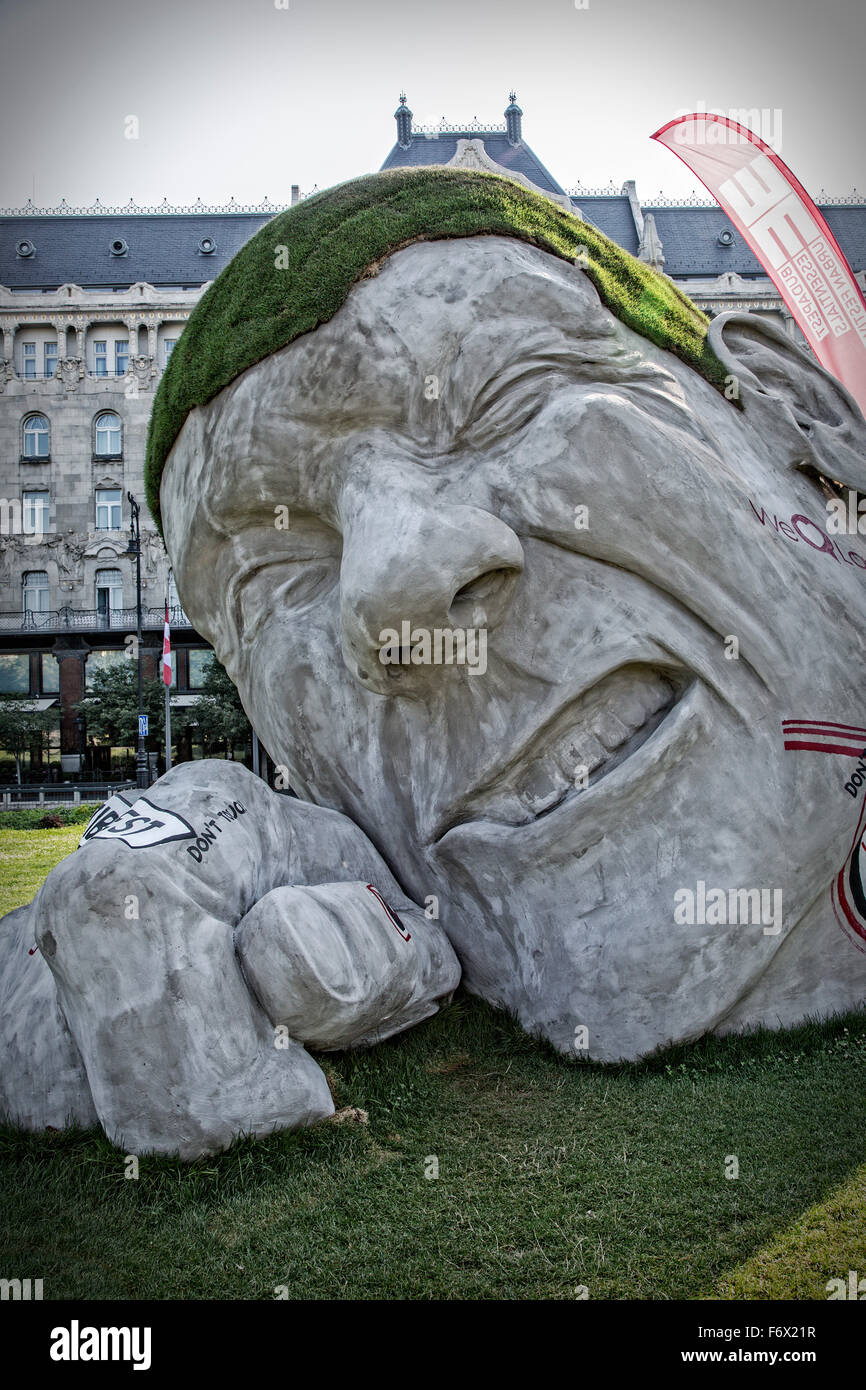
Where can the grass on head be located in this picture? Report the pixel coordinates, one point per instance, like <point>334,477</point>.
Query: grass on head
<point>297,271</point>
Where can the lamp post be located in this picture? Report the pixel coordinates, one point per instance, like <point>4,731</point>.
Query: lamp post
<point>142,773</point>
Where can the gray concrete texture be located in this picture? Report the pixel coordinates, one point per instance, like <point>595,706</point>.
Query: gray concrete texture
<point>474,444</point>
<point>144,929</point>
<point>433,445</point>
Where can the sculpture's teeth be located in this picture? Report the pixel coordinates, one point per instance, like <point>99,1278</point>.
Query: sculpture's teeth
<point>634,706</point>
<point>610,730</point>
<point>606,726</point>
<point>542,786</point>
<point>662,695</point>
<point>579,752</point>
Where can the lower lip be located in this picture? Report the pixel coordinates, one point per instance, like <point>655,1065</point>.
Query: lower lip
<point>590,814</point>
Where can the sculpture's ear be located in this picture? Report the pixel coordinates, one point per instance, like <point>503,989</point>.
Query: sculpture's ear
<point>796,406</point>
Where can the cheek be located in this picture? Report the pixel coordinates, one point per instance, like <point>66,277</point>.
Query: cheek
<point>303,703</point>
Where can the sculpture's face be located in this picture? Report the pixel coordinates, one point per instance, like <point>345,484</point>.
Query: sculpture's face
<point>439,446</point>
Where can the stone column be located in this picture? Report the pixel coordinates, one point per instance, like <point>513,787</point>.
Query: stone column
<point>9,330</point>
<point>71,653</point>
<point>150,659</point>
<point>152,329</point>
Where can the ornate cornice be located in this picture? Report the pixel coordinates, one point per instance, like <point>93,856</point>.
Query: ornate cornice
<point>165,208</point>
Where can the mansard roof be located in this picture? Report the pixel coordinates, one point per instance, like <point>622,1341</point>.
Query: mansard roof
<point>162,248</point>
<point>612,214</point>
<point>440,147</point>
<point>690,238</point>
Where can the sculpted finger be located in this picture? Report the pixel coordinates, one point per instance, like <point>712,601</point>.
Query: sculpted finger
<point>337,967</point>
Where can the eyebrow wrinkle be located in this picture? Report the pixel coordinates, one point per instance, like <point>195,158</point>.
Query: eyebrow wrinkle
<point>622,367</point>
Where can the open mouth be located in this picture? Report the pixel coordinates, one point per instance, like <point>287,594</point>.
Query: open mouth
<point>580,746</point>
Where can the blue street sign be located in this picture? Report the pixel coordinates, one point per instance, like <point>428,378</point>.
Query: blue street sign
<point>142,726</point>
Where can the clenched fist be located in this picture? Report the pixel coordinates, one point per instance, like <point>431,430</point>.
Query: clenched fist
<point>186,952</point>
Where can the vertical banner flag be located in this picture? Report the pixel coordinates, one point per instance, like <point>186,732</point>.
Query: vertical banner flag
<point>166,650</point>
<point>782,226</point>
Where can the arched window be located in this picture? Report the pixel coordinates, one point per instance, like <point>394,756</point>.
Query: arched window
<point>36,591</point>
<point>37,437</point>
<point>108,433</point>
<point>109,593</point>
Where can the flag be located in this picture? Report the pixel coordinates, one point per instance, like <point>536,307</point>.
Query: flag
<point>166,650</point>
<point>782,226</point>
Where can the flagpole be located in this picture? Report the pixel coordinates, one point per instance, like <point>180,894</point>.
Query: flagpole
<point>167,688</point>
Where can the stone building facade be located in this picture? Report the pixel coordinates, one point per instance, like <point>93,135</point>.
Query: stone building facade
<point>91,304</point>
<point>79,366</point>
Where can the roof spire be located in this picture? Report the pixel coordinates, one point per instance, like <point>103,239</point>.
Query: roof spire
<point>403,117</point>
<point>513,116</point>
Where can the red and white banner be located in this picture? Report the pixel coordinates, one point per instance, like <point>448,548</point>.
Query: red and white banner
<point>166,650</point>
<point>779,222</point>
<point>812,735</point>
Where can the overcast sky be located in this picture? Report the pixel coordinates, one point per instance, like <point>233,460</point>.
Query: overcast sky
<point>241,98</point>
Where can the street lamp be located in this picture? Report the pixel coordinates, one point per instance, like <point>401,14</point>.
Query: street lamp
<point>142,773</point>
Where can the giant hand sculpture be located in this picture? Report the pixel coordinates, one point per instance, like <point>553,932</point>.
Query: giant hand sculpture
<point>187,950</point>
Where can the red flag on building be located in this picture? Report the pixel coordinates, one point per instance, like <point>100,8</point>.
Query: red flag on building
<point>166,650</point>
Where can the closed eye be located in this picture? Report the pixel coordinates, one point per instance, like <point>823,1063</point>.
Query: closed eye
<point>507,404</point>
<point>281,584</point>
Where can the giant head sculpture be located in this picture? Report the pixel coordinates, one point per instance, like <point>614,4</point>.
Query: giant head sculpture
<point>526,577</point>
<point>525,568</point>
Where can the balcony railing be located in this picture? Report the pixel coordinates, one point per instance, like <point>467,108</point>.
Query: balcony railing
<point>91,619</point>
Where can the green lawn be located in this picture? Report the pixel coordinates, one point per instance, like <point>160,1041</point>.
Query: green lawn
<point>552,1175</point>
<point>27,858</point>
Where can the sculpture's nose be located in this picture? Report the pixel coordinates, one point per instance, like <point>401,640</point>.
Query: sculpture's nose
<point>416,565</point>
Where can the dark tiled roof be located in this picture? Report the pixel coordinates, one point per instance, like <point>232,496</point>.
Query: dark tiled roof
<point>440,149</point>
<point>690,240</point>
<point>163,248</point>
<point>848,226</point>
<point>611,213</point>
<point>691,247</point>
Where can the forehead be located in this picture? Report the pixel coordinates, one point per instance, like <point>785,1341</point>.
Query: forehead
<point>459,304</point>
<point>434,301</point>
<point>416,343</point>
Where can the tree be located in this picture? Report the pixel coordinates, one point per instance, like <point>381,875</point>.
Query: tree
<point>22,726</point>
<point>111,707</point>
<point>218,711</point>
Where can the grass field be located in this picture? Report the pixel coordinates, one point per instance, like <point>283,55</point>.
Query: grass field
<point>27,858</point>
<point>554,1177</point>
